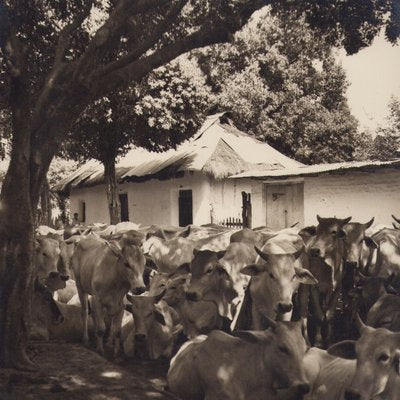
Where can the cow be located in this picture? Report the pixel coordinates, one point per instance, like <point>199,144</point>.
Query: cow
<point>275,277</point>
<point>251,365</point>
<point>254,238</point>
<point>357,370</point>
<point>326,253</point>
<point>211,282</point>
<point>154,329</point>
<point>106,271</point>
<point>169,254</point>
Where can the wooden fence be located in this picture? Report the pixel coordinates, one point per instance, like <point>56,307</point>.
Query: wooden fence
<point>234,223</point>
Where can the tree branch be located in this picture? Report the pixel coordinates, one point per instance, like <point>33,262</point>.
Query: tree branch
<point>146,45</point>
<point>138,69</point>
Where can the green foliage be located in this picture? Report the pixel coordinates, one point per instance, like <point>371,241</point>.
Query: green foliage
<point>386,143</point>
<point>282,84</point>
<point>159,113</point>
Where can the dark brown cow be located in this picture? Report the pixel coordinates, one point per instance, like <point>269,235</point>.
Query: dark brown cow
<point>326,252</point>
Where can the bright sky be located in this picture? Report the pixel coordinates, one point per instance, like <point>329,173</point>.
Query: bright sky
<point>374,76</point>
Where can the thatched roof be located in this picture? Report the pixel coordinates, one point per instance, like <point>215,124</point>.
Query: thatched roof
<point>218,149</point>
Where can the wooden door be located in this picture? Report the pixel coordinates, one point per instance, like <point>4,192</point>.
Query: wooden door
<point>285,205</point>
<point>185,207</point>
<point>123,201</point>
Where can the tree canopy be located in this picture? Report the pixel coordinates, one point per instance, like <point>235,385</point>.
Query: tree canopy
<point>283,85</point>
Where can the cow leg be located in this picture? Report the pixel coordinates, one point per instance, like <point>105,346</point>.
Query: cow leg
<point>83,298</point>
<point>318,317</point>
<point>100,326</point>
<point>114,339</point>
<point>330,317</point>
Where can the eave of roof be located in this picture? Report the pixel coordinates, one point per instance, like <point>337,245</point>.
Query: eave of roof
<point>310,170</point>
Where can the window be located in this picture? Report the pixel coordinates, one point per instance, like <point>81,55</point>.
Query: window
<point>123,201</point>
<point>185,207</point>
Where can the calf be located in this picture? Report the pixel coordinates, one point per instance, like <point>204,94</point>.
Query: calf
<point>106,271</point>
<point>154,327</point>
<point>254,365</point>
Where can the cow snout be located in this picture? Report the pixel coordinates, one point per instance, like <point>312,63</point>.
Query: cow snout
<point>64,277</point>
<point>191,296</point>
<point>53,275</point>
<point>140,290</point>
<point>352,395</point>
<point>284,307</point>
<point>315,252</point>
<point>302,387</point>
<point>140,337</point>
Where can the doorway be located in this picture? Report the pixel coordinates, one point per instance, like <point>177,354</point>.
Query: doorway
<point>285,205</point>
<point>123,201</point>
<point>185,207</point>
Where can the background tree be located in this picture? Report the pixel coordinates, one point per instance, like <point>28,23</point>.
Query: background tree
<point>58,57</point>
<point>283,85</point>
<point>160,112</point>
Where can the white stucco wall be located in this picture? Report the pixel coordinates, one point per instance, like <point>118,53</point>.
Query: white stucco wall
<point>361,195</point>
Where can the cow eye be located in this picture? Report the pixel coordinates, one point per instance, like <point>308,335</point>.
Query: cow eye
<point>126,264</point>
<point>383,358</point>
<point>271,275</point>
<point>294,277</point>
<point>334,232</point>
<point>284,350</point>
<point>209,271</point>
<point>44,254</point>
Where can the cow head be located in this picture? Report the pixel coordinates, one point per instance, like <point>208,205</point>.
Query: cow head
<point>280,278</point>
<point>355,239</point>
<point>329,233</point>
<point>145,314</point>
<point>131,259</point>
<point>378,361</point>
<point>47,263</point>
<point>283,348</point>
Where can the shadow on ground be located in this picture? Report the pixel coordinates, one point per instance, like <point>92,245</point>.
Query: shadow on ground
<point>73,372</point>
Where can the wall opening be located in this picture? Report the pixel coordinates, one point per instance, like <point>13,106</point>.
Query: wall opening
<point>123,201</point>
<point>82,211</point>
<point>185,207</point>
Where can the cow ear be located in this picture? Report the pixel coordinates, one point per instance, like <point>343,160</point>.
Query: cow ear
<point>195,252</point>
<point>304,276</point>
<point>159,317</point>
<point>115,249</point>
<point>345,349</point>
<point>308,231</point>
<point>182,269</point>
<point>220,254</point>
<point>185,233</point>
<point>253,269</point>
<point>298,253</point>
<point>128,307</point>
<point>370,242</point>
<point>159,296</point>
<point>396,361</point>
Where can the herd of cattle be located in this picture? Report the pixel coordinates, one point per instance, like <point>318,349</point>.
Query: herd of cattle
<point>242,314</point>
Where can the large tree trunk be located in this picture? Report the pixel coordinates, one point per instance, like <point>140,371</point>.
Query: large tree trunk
<point>16,250</point>
<point>112,190</point>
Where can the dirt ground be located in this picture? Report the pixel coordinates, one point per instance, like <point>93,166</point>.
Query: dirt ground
<point>72,372</point>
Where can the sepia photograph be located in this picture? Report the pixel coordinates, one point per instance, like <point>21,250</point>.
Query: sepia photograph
<point>199,200</point>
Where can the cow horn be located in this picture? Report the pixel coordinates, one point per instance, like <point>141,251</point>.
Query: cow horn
<point>319,218</point>
<point>345,221</point>
<point>164,236</point>
<point>292,226</point>
<point>396,219</point>
<point>263,255</point>
<point>359,323</point>
<point>395,226</point>
<point>369,223</point>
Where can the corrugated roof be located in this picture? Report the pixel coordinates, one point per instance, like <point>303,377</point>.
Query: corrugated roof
<point>307,170</point>
<point>197,154</point>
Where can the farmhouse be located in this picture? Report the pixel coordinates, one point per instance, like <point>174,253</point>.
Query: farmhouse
<point>209,179</point>
<point>180,187</point>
